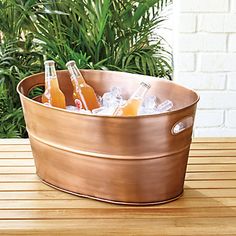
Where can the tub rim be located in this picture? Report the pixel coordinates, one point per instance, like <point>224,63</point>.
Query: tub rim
<point>109,116</point>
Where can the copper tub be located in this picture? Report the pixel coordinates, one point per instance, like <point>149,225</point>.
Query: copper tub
<point>126,160</point>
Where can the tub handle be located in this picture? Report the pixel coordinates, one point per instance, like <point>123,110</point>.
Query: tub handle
<point>182,125</point>
<point>33,87</point>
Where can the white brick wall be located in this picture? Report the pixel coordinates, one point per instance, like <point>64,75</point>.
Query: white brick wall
<point>205,60</point>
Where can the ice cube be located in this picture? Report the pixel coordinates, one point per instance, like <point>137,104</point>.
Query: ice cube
<point>116,91</point>
<point>165,106</point>
<point>150,102</point>
<point>149,106</point>
<point>107,99</point>
<point>112,98</point>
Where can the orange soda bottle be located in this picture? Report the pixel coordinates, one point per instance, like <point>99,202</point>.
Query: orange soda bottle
<point>82,91</point>
<point>133,104</point>
<point>52,95</point>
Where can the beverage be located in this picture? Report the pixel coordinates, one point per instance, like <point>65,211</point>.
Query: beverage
<point>132,106</point>
<point>82,91</point>
<point>52,95</point>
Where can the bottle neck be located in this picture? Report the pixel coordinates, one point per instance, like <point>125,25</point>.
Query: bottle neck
<point>76,75</point>
<point>141,92</point>
<point>50,74</point>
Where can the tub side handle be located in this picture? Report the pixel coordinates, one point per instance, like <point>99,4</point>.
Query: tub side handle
<point>182,125</point>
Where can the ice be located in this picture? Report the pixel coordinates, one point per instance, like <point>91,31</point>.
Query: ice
<point>87,112</point>
<point>165,106</point>
<point>112,98</point>
<point>72,108</point>
<point>149,106</point>
<point>104,111</point>
<point>75,109</point>
<point>150,102</point>
<point>47,104</point>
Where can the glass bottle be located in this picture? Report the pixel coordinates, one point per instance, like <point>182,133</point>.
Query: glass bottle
<point>133,104</point>
<point>82,91</point>
<point>52,95</point>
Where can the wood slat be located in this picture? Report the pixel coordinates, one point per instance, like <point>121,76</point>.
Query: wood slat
<point>17,170</point>
<point>209,168</point>
<point>24,187</point>
<point>211,193</point>
<point>37,195</point>
<point>18,141</point>
<point>214,140</point>
<point>203,184</point>
<point>19,178</point>
<point>54,194</point>
<point>16,162</point>
<point>209,176</point>
<point>87,203</point>
<point>213,146</point>
<point>185,226</point>
<point>212,153</point>
<point>15,148</point>
<point>118,213</point>
<point>16,155</point>
<point>211,160</point>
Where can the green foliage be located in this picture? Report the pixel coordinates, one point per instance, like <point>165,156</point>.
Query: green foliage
<point>97,34</point>
<point>11,118</point>
<point>104,34</point>
<point>15,64</point>
<point>19,57</point>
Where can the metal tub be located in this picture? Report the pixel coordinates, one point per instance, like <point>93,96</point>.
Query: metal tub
<point>126,160</point>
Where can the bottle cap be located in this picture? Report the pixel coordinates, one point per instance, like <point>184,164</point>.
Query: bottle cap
<point>70,63</point>
<point>145,85</point>
<point>49,62</point>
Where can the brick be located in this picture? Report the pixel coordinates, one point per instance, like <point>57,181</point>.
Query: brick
<point>202,42</point>
<point>214,132</point>
<point>187,23</point>
<point>231,81</point>
<point>185,62</point>
<point>230,23</point>
<point>233,5</point>
<point>217,100</point>
<point>231,119</point>
<point>202,81</point>
<point>218,23</point>
<point>204,5</point>
<point>232,43</point>
<point>211,22</point>
<point>218,62</point>
<point>209,118</point>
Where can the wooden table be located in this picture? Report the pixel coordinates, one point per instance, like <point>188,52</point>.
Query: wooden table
<point>208,206</point>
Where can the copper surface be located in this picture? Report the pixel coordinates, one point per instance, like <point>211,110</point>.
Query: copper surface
<point>134,160</point>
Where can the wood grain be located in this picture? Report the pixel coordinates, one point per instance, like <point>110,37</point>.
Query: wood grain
<point>207,207</point>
